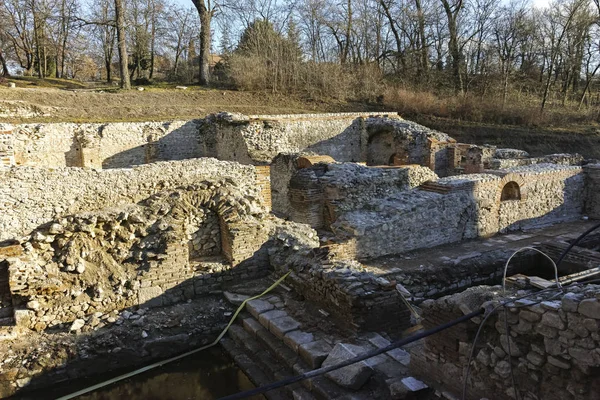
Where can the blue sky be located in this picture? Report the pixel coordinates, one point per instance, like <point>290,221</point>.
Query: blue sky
<point>538,3</point>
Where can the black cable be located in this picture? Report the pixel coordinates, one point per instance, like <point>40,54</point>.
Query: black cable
<point>402,342</point>
<point>473,346</point>
<point>324,370</point>
<point>584,234</point>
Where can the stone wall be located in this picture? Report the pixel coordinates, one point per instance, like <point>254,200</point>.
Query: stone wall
<point>111,145</point>
<point>377,139</point>
<point>258,139</point>
<point>549,193</point>
<point>592,179</point>
<point>30,196</point>
<point>317,195</point>
<point>553,346</point>
<point>463,207</point>
<point>145,254</point>
<point>355,299</point>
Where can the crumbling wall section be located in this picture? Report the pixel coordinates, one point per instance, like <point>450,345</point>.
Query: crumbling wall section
<point>553,346</point>
<point>139,254</point>
<point>319,194</point>
<point>356,299</point>
<point>259,138</point>
<point>33,196</point>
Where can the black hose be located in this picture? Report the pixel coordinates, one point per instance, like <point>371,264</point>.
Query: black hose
<point>584,234</point>
<point>324,370</point>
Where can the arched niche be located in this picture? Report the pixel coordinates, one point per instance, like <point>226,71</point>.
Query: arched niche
<point>510,191</point>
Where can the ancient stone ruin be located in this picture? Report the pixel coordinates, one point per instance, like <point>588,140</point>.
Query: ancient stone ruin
<point>124,243</point>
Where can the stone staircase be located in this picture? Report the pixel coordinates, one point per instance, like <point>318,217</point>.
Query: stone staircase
<point>271,341</point>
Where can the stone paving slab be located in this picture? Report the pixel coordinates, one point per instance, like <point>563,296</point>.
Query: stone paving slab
<point>280,326</point>
<point>252,326</point>
<point>258,306</point>
<point>314,353</point>
<point>401,356</point>
<point>266,317</point>
<point>296,338</point>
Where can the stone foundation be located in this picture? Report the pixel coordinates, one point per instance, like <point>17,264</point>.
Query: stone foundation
<point>553,346</point>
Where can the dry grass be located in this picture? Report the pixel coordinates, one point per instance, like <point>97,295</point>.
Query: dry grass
<point>524,112</point>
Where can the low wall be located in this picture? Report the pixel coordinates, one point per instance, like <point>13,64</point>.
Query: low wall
<point>463,207</point>
<point>553,346</point>
<point>111,145</point>
<point>30,196</point>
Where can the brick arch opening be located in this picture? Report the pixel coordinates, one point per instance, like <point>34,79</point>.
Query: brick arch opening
<point>511,191</point>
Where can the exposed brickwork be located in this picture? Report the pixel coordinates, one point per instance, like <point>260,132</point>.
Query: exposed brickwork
<point>263,181</point>
<point>7,151</point>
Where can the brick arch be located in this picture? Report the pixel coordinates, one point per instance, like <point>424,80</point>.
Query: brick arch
<point>238,215</point>
<point>515,179</point>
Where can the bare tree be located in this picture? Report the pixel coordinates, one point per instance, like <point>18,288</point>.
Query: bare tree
<point>122,45</point>
<point>206,11</point>
<point>453,10</point>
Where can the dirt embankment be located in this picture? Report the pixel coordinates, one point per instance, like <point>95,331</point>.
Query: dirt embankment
<point>582,139</point>
<point>43,104</point>
<point>55,105</point>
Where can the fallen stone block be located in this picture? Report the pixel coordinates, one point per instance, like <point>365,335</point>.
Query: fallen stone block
<point>353,376</point>
<point>235,298</point>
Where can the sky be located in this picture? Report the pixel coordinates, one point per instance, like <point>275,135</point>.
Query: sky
<point>537,3</point>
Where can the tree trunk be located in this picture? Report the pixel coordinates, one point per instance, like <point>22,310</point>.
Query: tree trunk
<point>123,62</point>
<point>453,46</point>
<point>206,13</point>
<point>424,67</point>
<point>205,21</point>
<point>3,65</point>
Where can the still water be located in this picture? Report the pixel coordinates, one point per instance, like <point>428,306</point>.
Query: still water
<point>208,375</point>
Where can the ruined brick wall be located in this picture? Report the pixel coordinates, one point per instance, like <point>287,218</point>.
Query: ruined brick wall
<point>282,169</point>
<point>553,346</point>
<point>258,139</point>
<point>113,145</point>
<point>146,254</point>
<point>32,196</point>
<point>7,152</point>
<point>263,181</point>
